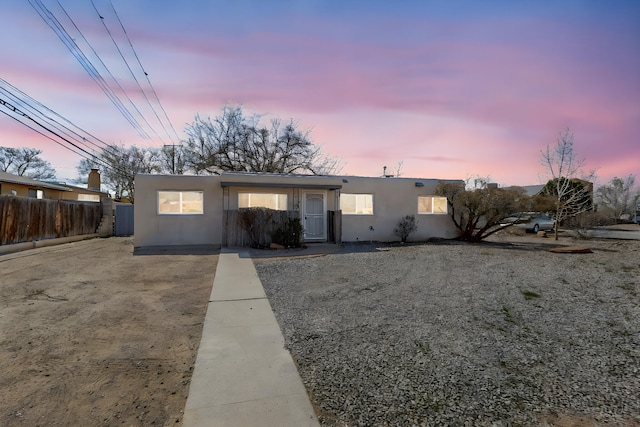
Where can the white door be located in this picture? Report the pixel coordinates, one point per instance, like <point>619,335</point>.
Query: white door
<point>314,216</point>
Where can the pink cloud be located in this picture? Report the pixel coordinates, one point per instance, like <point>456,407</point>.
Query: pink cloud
<point>452,99</point>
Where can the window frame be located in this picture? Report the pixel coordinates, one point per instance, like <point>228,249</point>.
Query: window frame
<point>280,199</point>
<point>356,213</point>
<point>446,205</point>
<point>180,202</point>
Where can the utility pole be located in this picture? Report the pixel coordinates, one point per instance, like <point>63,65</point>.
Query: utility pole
<point>173,158</point>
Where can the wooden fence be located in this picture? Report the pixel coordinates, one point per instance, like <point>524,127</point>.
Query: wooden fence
<point>24,219</point>
<point>263,223</point>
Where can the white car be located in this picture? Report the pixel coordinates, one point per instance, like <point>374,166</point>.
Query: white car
<point>530,221</point>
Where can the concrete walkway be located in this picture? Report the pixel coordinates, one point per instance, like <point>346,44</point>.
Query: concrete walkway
<point>243,375</point>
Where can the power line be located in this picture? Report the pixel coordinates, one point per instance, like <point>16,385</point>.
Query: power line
<point>29,121</point>
<point>64,36</point>
<point>21,113</point>
<point>83,153</point>
<point>20,98</point>
<point>59,29</point>
<point>112,88</point>
<point>122,90</point>
<point>115,43</point>
<point>71,45</point>
<point>155,94</point>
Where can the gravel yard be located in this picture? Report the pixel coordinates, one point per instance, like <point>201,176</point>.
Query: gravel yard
<point>499,334</point>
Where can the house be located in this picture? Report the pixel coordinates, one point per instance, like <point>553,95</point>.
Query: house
<point>198,210</point>
<point>535,190</point>
<point>23,186</point>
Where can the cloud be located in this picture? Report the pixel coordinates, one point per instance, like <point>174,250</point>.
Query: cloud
<point>476,90</point>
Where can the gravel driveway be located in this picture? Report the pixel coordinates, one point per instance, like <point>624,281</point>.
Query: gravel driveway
<point>496,334</point>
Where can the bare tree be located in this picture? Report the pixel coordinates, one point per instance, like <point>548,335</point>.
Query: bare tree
<point>233,142</point>
<point>172,159</point>
<point>118,167</point>
<point>477,211</point>
<point>26,162</point>
<point>618,196</point>
<point>569,186</point>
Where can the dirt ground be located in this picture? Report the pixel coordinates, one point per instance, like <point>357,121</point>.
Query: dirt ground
<point>95,335</point>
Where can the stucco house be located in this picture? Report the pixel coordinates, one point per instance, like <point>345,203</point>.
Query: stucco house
<point>186,210</point>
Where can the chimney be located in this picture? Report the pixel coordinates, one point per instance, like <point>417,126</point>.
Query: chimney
<point>94,180</point>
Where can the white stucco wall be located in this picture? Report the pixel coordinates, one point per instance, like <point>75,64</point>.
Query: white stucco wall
<point>393,198</point>
<point>152,229</point>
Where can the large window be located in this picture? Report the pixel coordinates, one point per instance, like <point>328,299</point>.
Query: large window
<point>273,201</point>
<point>356,204</point>
<point>180,202</point>
<point>432,205</point>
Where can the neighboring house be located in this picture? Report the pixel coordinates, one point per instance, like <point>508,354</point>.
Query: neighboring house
<point>194,210</point>
<point>534,190</point>
<point>23,186</point>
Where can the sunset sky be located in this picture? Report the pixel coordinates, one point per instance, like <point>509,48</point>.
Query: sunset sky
<point>450,88</point>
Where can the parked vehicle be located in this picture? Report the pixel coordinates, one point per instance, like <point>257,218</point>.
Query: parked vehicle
<point>530,221</point>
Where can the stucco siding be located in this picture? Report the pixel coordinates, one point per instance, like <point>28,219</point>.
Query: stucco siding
<point>393,198</point>
<point>152,229</point>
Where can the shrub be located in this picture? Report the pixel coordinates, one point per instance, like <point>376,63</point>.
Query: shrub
<point>407,225</point>
<point>289,233</point>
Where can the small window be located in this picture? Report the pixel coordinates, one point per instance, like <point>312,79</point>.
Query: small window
<point>432,205</point>
<point>36,194</point>
<point>356,204</point>
<point>89,197</point>
<point>180,202</point>
<point>277,202</point>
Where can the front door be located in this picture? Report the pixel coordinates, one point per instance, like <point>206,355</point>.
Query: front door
<point>314,216</point>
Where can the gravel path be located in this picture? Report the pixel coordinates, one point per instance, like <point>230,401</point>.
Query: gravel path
<point>492,334</point>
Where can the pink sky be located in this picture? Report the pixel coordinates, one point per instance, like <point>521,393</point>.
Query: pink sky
<point>450,89</point>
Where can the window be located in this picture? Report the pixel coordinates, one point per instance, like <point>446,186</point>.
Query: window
<point>36,194</point>
<point>180,202</point>
<point>89,197</point>
<point>432,205</point>
<point>273,201</point>
<point>356,204</point>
